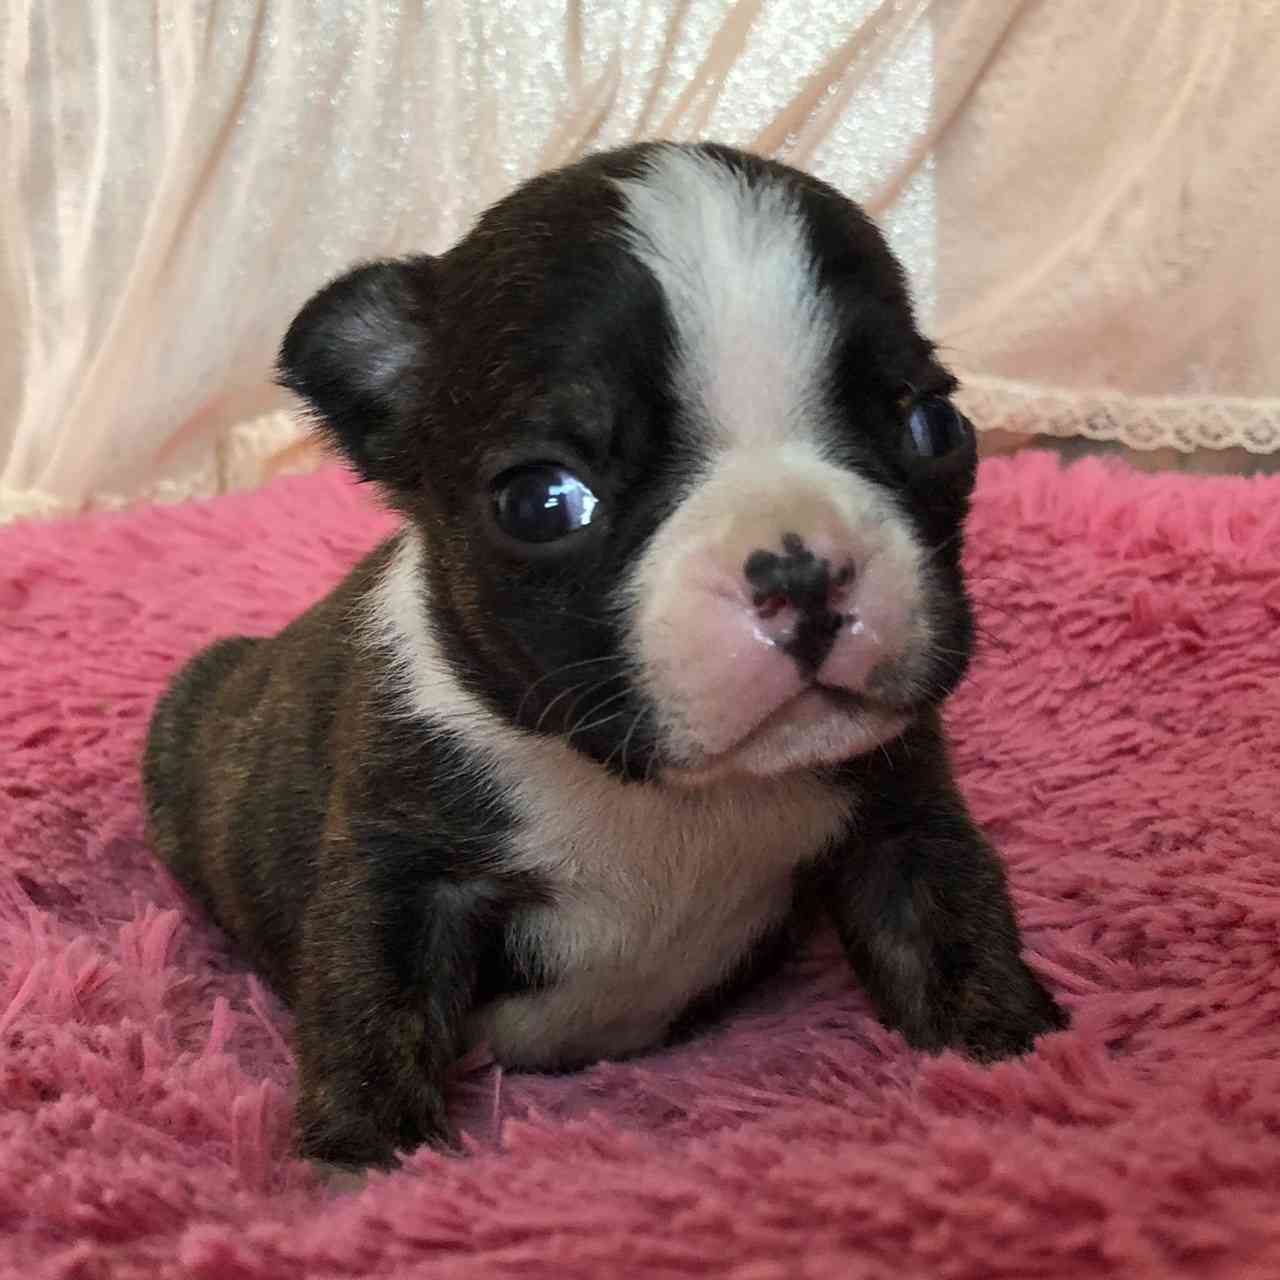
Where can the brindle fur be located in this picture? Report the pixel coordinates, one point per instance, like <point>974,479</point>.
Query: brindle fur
<point>354,854</point>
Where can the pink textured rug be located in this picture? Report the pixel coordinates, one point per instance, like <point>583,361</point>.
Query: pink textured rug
<point>1122,743</point>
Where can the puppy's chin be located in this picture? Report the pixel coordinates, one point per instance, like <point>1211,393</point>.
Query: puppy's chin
<point>815,729</point>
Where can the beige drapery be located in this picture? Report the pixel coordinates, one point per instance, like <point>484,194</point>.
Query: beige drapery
<point>1086,192</point>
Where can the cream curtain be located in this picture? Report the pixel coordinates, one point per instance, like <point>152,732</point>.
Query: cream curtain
<point>1086,192</point>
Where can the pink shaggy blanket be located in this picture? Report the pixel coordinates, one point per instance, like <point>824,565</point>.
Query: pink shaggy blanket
<point>1121,742</point>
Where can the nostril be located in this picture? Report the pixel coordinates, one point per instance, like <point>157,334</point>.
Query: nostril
<point>769,604</point>
<point>841,588</point>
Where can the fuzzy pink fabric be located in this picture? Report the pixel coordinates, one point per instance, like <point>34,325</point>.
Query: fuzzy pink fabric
<point>1121,743</point>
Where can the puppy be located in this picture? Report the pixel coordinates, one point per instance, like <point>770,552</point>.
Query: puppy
<point>649,680</point>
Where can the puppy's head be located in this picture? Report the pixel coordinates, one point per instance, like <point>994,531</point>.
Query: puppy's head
<point>688,484</point>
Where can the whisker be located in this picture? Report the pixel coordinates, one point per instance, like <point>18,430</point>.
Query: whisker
<point>546,711</point>
<point>595,724</point>
<point>559,671</point>
<point>937,550</point>
<point>626,742</point>
<point>609,758</point>
<point>596,688</point>
<point>603,623</point>
<point>580,727</point>
<point>573,688</point>
<point>990,638</point>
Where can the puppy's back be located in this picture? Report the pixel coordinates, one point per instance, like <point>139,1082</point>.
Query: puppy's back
<point>238,770</point>
<point>205,786</point>
<point>173,772</point>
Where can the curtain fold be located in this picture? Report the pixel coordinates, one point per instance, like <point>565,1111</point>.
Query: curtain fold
<point>1085,194</point>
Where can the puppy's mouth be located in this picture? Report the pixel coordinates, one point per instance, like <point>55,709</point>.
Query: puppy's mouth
<point>842,699</point>
<point>818,726</point>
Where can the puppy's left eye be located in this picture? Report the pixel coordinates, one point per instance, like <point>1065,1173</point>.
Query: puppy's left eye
<point>936,427</point>
<point>541,503</point>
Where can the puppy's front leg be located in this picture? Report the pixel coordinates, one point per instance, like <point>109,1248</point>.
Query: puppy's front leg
<point>386,979</point>
<point>922,908</point>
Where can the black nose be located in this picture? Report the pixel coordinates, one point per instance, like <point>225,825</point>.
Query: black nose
<point>799,579</point>
<point>796,577</point>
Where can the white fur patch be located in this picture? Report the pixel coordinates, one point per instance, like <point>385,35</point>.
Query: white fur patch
<point>732,258</point>
<point>657,892</point>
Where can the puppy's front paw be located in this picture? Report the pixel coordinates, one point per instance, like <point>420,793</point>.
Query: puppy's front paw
<point>336,1142</point>
<point>928,925</point>
<point>339,1179</point>
<point>334,1131</point>
<point>997,1010</point>
<point>1000,1015</point>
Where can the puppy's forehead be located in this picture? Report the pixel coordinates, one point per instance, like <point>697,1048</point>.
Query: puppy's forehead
<point>733,255</point>
<point>741,303</point>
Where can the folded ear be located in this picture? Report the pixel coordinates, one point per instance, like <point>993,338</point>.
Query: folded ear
<point>359,354</point>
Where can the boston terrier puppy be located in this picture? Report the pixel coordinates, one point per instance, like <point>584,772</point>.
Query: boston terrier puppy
<point>647,684</point>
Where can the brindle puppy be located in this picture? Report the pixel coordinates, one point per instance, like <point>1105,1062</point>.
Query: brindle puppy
<point>647,683</point>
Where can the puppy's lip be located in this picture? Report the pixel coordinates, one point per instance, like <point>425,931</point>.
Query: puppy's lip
<point>861,702</point>
<point>846,699</point>
<point>878,721</point>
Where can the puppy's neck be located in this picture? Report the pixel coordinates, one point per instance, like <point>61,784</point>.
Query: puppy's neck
<point>424,686</point>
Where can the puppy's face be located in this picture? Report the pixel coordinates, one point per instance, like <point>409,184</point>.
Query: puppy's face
<point>689,484</point>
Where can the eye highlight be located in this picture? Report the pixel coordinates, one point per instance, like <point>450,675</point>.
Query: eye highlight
<point>935,427</point>
<point>541,503</point>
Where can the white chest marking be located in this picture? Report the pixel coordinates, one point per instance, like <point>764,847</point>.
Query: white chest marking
<point>754,332</point>
<point>656,892</point>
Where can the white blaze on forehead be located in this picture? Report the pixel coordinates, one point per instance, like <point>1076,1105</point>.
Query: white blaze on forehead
<point>754,333</point>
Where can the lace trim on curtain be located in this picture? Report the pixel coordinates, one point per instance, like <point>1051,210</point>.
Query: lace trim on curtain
<point>253,451</point>
<point>1185,423</point>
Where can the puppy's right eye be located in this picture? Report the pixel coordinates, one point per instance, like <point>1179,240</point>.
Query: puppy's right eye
<point>541,503</point>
